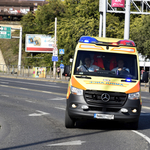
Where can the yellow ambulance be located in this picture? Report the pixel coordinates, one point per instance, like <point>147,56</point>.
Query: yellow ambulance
<point>104,82</point>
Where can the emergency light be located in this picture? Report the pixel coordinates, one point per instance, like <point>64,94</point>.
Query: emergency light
<point>128,80</point>
<point>88,39</point>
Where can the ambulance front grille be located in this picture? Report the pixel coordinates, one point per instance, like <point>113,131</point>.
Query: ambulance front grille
<point>95,98</point>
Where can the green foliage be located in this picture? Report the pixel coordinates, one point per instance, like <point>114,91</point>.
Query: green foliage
<point>75,18</point>
<point>140,34</point>
<point>69,32</point>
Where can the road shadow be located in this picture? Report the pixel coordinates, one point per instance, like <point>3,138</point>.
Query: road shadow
<point>144,123</point>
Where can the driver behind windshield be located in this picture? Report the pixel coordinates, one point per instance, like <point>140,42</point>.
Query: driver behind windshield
<point>88,67</point>
<point>120,67</point>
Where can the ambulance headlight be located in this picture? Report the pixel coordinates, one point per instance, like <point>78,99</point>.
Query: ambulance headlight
<point>76,91</point>
<point>134,95</point>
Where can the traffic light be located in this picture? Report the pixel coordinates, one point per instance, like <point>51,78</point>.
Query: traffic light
<point>61,57</point>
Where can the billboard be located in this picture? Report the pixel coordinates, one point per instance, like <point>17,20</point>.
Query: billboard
<point>117,3</point>
<point>39,43</point>
<point>39,72</point>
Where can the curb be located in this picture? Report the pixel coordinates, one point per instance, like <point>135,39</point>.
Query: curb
<point>37,79</point>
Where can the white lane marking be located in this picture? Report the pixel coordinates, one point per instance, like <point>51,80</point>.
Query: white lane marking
<point>29,101</point>
<point>142,135</point>
<point>60,108</point>
<point>68,143</point>
<point>5,82</point>
<point>34,83</point>
<point>46,92</point>
<point>4,85</point>
<point>34,90</point>
<point>5,95</point>
<point>40,113</point>
<point>145,97</point>
<point>57,98</point>
<point>145,107</point>
<point>23,88</point>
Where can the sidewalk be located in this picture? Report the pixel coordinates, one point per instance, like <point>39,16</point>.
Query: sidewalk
<point>144,86</point>
<point>49,79</point>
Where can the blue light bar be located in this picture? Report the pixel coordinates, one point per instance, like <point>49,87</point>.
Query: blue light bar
<point>128,80</point>
<point>87,39</point>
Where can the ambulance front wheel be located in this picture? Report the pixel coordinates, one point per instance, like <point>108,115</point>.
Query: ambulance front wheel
<point>69,122</point>
<point>133,125</point>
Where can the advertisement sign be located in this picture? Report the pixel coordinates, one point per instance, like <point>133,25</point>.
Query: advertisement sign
<point>117,3</point>
<point>39,43</point>
<point>14,10</point>
<point>39,72</point>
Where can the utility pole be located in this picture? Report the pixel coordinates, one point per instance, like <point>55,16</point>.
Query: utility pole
<point>20,50</point>
<point>127,20</point>
<point>104,18</point>
<point>105,7</point>
<point>54,62</point>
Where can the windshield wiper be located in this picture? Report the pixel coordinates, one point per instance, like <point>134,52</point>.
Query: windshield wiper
<point>83,77</point>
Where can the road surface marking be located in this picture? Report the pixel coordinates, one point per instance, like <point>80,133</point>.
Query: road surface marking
<point>30,101</point>
<point>145,97</point>
<point>5,82</point>
<point>34,83</point>
<point>57,98</point>
<point>5,95</point>
<point>60,108</point>
<point>23,88</point>
<point>142,135</point>
<point>34,90</point>
<point>145,107</point>
<point>4,85</point>
<point>68,143</point>
<point>46,92</point>
<point>40,113</point>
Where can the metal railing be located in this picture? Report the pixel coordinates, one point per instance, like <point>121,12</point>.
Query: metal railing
<point>30,71</point>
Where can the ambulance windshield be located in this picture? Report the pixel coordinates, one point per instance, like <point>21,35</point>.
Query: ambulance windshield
<point>106,64</point>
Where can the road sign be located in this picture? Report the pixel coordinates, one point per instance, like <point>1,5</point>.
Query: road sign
<point>5,32</point>
<point>61,51</point>
<point>55,48</point>
<point>5,28</point>
<point>62,66</point>
<point>55,53</point>
<point>54,58</point>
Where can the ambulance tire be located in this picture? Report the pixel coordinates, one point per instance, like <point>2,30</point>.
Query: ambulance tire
<point>134,125</point>
<point>69,122</point>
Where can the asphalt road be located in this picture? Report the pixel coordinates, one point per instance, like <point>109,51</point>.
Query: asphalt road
<point>32,118</point>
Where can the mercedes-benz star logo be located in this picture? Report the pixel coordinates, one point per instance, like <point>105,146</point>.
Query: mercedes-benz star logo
<point>105,97</point>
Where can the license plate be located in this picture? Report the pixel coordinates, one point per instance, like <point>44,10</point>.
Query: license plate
<point>104,116</point>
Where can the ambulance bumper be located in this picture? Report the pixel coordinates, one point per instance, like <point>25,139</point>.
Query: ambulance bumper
<point>78,109</point>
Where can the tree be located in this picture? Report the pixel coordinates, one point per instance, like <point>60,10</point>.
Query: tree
<point>75,18</point>
<point>140,33</point>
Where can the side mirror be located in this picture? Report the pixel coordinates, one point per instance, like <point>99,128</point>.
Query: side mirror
<point>67,71</point>
<point>144,77</point>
